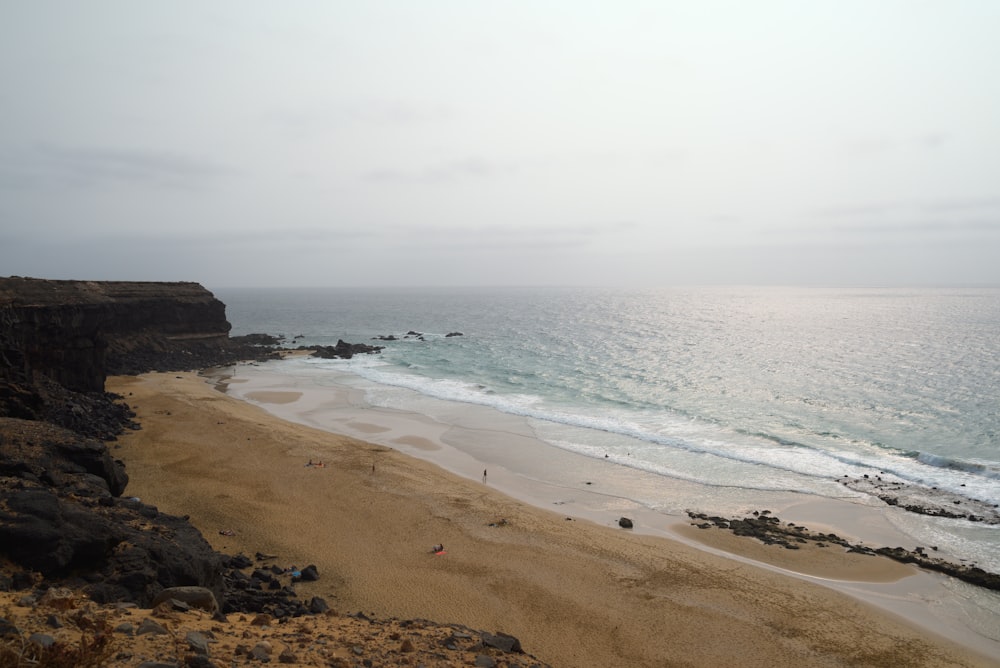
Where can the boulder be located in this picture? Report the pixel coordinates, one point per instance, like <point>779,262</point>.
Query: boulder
<point>196,597</point>
<point>502,641</point>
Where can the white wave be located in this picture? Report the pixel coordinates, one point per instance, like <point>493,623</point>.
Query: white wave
<point>985,469</point>
<point>678,433</point>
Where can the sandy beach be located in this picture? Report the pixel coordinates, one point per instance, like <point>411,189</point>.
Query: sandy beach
<point>575,592</point>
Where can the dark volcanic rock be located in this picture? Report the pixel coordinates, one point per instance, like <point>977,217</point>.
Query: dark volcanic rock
<point>39,452</point>
<point>969,573</point>
<point>309,574</point>
<point>259,339</point>
<point>344,350</point>
<point>98,415</point>
<point>60,516</point>
<point>318,605</point>
<point>771,531</point>
<point>59,340</point>
<point>502,642</point>
<point>19,399</point>
<point>924,500</point>
<point>76,333</point>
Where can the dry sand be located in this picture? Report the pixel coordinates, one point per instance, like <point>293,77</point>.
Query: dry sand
<point>574,592</point>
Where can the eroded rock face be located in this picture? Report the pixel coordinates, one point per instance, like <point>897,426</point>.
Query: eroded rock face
<point>62,511</point>
<point>76,332</point>
<point>59,340</point>
<point>62,516</point>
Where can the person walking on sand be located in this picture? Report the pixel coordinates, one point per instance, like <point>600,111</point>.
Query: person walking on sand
<point>484,476</point>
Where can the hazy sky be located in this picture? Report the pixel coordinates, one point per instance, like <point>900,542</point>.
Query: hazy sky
<point>501,143</point>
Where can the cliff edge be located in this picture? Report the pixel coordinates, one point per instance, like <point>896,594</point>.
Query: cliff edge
<point>73,546</point>
<point>62,511</point>
<point>76,332</point>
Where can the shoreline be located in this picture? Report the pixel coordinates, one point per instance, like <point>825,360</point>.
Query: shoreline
<point>426,495</point>
<point>602,492</point>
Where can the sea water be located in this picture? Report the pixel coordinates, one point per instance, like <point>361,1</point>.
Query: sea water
<point>739,390</point>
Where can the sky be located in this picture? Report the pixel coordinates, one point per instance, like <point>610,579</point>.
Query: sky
<point>435,143</point>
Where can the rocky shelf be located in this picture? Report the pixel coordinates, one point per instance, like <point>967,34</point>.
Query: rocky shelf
<point>924,500</point>
<point>770,530</point>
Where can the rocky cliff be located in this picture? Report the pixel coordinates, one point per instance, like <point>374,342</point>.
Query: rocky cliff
<point>75,332</point>
<point>62,511</point>
<point>62,517</point>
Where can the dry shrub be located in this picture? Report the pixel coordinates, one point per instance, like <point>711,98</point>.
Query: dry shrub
<point>93,651</point>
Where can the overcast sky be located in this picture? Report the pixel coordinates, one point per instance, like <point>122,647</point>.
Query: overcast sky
<point>255,143</point>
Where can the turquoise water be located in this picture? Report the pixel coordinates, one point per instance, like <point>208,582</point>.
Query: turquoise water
<point>764,388</point>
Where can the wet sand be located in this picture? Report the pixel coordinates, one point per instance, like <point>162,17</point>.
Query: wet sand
<point>576,592</point>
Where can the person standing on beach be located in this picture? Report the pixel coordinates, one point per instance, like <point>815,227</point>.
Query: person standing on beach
<point>484,476</point>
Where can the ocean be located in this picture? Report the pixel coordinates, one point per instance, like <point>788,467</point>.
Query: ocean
<point>744,392</point>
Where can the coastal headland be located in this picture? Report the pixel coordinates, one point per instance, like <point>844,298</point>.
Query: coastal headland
<point>365,517</point>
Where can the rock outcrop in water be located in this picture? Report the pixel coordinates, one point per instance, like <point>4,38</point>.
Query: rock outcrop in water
<point>924,500</point>
<point>769,530</point>
<point>344,350</point>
